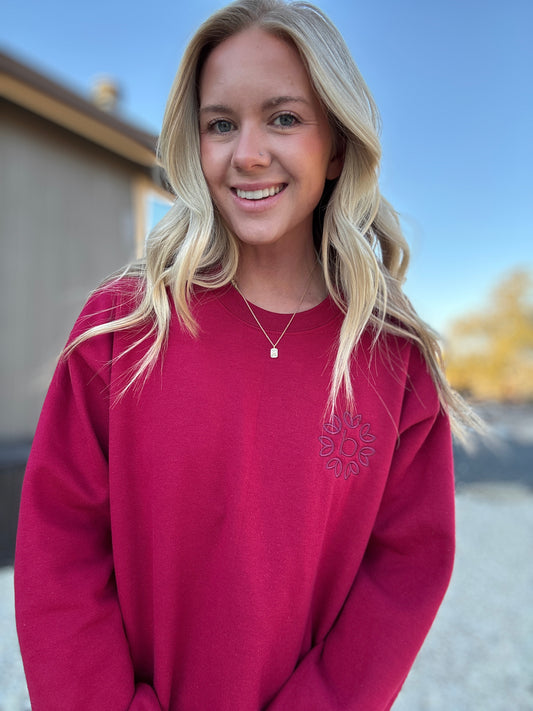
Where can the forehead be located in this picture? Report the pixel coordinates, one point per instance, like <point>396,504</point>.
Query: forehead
<point>253,62</point>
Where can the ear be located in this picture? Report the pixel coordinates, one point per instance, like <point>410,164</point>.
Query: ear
<point>336,163</point>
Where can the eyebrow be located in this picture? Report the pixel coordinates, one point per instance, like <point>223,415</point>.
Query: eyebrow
<point>269,104</point>
<point>277,100</point>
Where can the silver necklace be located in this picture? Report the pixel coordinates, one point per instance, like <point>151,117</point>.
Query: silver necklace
<point>274,352</point>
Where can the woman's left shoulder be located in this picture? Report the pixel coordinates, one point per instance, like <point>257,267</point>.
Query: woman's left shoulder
<point>398,363</point>
<point>389,350</point>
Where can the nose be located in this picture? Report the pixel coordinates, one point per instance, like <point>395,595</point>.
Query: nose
<point>250,149</point>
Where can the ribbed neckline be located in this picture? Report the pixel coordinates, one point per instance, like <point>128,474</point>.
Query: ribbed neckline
<point>273,322</point>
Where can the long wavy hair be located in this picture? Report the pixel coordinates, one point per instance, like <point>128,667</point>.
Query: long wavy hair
<point>357,233</point>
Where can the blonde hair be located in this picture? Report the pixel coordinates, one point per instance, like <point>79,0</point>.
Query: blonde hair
<point>363,252</point>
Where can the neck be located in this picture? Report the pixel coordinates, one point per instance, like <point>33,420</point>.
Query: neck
<point>281,283</point>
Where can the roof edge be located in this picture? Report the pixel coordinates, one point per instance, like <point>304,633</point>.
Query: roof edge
<point>39,94</point>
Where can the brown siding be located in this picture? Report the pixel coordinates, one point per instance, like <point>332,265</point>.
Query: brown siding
<point>66,221</point>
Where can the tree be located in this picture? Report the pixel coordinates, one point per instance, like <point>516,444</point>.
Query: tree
<point>490,354</point>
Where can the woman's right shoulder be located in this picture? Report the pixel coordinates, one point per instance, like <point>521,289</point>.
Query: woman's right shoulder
<point>115,298</point>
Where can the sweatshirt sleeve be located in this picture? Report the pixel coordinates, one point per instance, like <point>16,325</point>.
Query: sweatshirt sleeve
<point>73,645</point>
<point>363,661</point>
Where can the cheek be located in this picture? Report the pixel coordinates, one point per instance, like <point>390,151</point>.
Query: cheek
<point>317,156</point>
<point>208,160</point>
<point>213,173</point>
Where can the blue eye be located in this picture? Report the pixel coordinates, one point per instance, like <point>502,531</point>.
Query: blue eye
<point>285,120</point>
<point>221,126</point>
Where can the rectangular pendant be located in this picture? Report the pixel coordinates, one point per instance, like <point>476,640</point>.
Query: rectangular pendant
<point>273,352</point>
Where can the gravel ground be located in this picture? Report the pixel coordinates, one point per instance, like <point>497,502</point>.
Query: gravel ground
<point>479,653</point>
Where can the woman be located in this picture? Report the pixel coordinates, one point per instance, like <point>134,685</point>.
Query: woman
<point>240,494</point>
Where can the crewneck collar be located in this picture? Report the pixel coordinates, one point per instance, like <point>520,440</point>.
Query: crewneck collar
<point>306,320</point>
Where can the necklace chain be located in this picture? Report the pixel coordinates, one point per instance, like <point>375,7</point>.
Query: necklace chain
<point>274,350</point>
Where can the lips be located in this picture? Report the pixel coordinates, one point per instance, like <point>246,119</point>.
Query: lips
<point>259,194</point>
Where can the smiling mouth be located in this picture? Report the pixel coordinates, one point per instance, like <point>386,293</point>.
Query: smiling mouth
<point>259,194</point>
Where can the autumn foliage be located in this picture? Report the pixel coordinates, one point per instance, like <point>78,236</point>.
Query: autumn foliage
<point>489,354</point>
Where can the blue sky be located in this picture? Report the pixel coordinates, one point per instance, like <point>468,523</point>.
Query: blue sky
<point>453,81</point>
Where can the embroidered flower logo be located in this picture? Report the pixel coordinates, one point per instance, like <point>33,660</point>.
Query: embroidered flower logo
<point>346,445</point>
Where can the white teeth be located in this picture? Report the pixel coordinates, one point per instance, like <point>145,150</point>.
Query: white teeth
<point>258,194</point>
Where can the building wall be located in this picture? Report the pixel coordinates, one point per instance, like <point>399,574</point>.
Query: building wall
<point>66,221</point>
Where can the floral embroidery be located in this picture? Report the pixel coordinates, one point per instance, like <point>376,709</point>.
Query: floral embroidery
<point>346,445</point>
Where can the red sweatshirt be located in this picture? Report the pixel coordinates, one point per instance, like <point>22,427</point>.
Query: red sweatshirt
<point>214,541</point>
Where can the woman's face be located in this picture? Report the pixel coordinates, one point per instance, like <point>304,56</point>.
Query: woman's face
<point>266,144</point>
